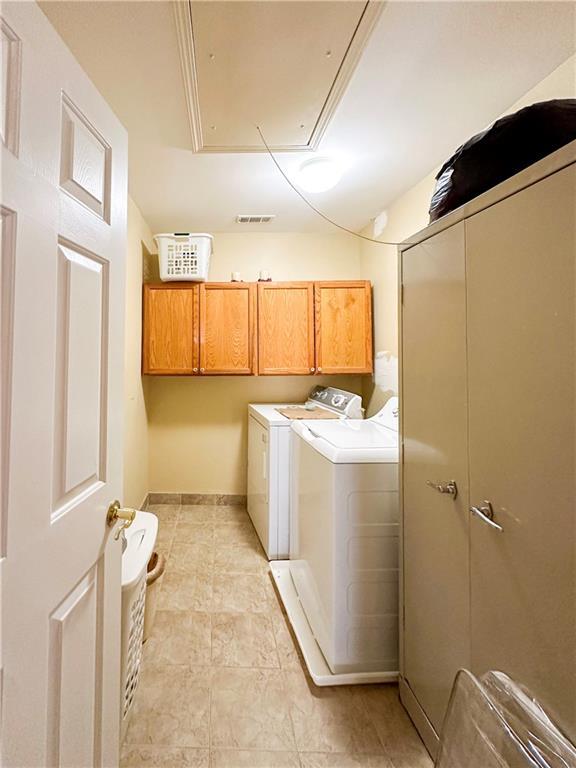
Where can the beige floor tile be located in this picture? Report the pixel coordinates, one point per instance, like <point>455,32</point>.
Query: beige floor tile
<point>243,640</point>
<point>197,513</point>
<point>167,757</point>
<point>249,758</point>
<point>185,591</point>
<point>240,559</point>
<point>191,532</point>
<point>192,557</point>
<point>288,653</point>
<point>242,593</point>
<point>340,760</point>
<point>331,719</point>
<point>168,513</point>
<point>165,537</point>
<point>231,515</point>
<point>179,637</point>
<point>235,534</point>
<point>172,707</point>
<point>249,710</point>
<point>394,727</point>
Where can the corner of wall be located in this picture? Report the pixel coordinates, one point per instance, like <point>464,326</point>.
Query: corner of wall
<point>136,446</point>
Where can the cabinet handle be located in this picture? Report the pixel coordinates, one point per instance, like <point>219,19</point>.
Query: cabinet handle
<point>319,370</point>
<point>195,370</point>
<point>201,370</point>
<point>486,514</point>
<point>448,487</point>
<point>312,370</point>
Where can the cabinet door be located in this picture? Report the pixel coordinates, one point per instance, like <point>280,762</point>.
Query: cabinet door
<point>170,332</point>
<point>435,637</point>
<point>521,282</point>
<point>227,326</point>
<point>343,327</point>
<point>286,328</point>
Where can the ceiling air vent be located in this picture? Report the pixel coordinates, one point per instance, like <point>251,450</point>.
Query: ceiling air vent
<point>254,218</point>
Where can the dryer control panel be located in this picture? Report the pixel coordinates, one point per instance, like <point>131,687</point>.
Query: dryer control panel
<point>347,404</point>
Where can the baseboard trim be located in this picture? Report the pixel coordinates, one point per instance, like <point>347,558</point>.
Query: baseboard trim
<point>197,499</point>
<point>418,717</point>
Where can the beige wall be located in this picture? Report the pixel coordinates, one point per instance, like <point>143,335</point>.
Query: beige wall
<point>135,420</point>
<point>407,215</point>
<point>197,426</point>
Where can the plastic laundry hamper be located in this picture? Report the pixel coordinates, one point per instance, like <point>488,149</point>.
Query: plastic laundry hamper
<point>184,256</point>
<point>138,544</point>
<point>133,606</point>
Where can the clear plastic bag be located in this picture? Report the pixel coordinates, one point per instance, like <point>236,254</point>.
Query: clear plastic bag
<point>495,723</point>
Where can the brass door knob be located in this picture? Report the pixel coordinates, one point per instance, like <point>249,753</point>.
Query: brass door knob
<point>115,513</point>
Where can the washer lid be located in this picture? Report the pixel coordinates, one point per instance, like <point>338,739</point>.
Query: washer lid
<point>353,434</point>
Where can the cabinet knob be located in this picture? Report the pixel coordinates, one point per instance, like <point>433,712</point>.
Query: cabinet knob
<point>201,370</point>
<point>319,370</point>
<point>195,370</point>
<point>312,370</point>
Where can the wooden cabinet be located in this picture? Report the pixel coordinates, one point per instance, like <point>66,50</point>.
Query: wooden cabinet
<point>488,350</point>
<point>295,328</point>
<point>227,325</point>
<point>343,327</point>
<point>286,328</point>
<point>170,329</point>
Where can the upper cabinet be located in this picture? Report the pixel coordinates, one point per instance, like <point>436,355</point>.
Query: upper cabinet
<point>286,329</point>
<point>227,326</point>
<point>296,328</point>
<point>170,329</point>
<point>343,327</point>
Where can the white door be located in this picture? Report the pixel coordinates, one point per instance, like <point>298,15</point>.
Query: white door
<point>436,641</point>
<point>64,195</point>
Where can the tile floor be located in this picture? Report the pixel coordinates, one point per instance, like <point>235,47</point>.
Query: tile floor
<point>222,683</point>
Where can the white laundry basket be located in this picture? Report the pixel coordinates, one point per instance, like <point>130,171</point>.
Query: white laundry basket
<point>140,541</point>
<point>133,605</point>
<point>184,256</point>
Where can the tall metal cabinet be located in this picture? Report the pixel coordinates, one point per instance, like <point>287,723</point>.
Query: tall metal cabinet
<point>488,347</point>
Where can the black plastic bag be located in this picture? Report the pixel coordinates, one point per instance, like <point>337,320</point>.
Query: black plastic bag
<point>511,144</point>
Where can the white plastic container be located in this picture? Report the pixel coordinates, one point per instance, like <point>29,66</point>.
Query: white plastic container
<point>140,541</point>
<point>184,256</point>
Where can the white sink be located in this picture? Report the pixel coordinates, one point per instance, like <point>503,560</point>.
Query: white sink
<point>140,541</point>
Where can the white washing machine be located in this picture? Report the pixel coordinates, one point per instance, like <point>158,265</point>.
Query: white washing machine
<point>269,461</point>
<point>340,585</point>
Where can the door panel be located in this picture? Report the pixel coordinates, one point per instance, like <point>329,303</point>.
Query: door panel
<point>227,326</point>
<point>80,429</point>
<point>171,329</point>
<point>521,285</point>
<point>286,328</point>
<point>434,427</point>
<point>343,327</point>
<point>62,316</point>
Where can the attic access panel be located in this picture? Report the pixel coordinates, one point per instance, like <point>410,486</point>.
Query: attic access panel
<point>281,65</point>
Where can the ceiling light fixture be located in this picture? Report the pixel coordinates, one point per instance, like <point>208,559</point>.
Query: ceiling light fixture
<point>319,174</point>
